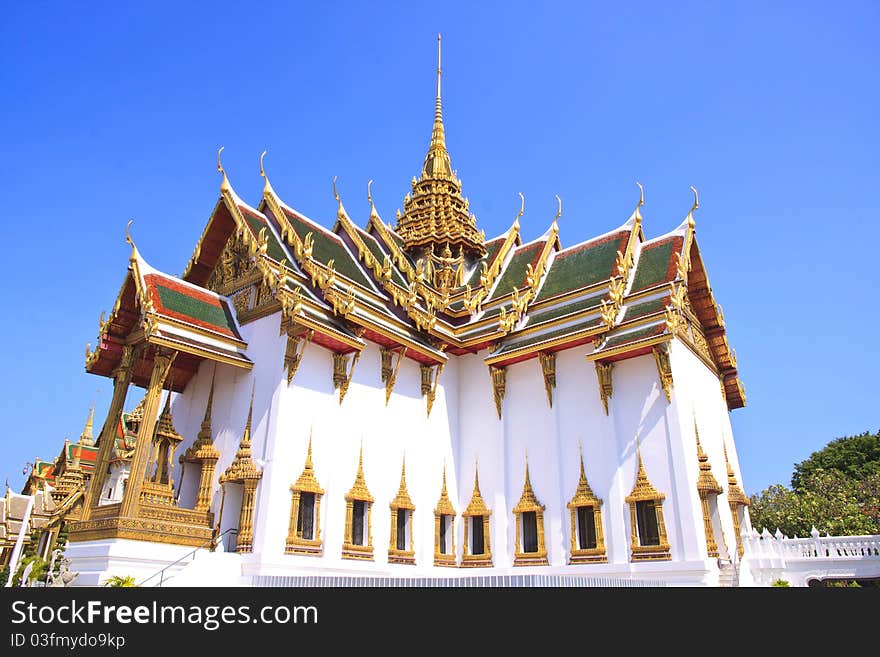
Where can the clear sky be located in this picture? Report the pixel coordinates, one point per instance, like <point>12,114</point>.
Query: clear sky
<point>115,111</point>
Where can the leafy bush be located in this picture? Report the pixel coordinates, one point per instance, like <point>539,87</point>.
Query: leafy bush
<point>780,583</point>
<point>117,581</point>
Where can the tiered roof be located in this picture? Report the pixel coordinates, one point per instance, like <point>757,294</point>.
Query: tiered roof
<point>449,295</point>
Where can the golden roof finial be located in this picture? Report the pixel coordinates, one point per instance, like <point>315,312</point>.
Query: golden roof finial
<point>641,194</point>
<point>558,212</point>
<point>437,160</point>
<point>522,207</point>
<point>87,436</point>
<point>266,186</point>
<point>309,452</point>
<point>224,184</point>
<point>128,235</point>
<point>373,212</point>
<point>690,217</point>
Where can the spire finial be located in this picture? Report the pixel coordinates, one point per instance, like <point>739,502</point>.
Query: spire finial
<point>262,171</point>
<point>439,39</point>
<point>641,194</point>
<point>522,207</point>
<point>128,235</point>
<point>246,437</point>
<point>370,199</point>
<point>309,452</point>
<point>224,184</point>
<point>266,186</point>
<point>205,432</point>
<point>690,217</point>
<point>559,211</point>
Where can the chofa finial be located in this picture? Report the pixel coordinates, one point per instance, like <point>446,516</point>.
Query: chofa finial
<point>696,198</point>
<point>335,193</point>
<point>128,234</point>
<point>641,194</point>
<point>559,212</point>
<point>262,171</point>
<point>219,164</point>
<point>522,205</point>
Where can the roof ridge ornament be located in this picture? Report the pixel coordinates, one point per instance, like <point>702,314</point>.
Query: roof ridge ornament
<point>373,212</point>
<point>696,205</point>
<point>522,207</point>
<point>224,184</point>
<point>267,187</point>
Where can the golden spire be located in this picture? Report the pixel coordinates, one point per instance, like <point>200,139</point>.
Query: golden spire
<point>437,161</point>
<point>402,500</point>
<point>734,492</point>
<point>706,482</point>
<point>643,489</point>
<point>477,506</point>
<point>87,437</point>
<point>205,431</point>
<point>444,505</point>
<point>243,466</point>
<point>527,501</point>
<point>307,481</point>
<point>359,490</point>
<point>436,212</point>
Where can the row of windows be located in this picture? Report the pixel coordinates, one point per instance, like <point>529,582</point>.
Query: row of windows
<point>648,533</point>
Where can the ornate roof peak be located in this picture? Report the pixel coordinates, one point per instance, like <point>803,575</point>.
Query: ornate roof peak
<point>436,212</point>
<point>87,436</point>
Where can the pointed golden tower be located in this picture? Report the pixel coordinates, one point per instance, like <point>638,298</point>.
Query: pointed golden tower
<point>529,515</point>
<point>400,547</point>
<point>304,531</point>
<point>737,501</point>
<point>707,487</point>
<point>477,541</point>
<point>436,215</point>
<point>444,528</point>
<point>587,535</point>
<point>244,471</point>
<point>87,437</point>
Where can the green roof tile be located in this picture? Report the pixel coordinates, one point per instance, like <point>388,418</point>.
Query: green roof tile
<point>633,336</point>
<point>582,266</point>
<point>539,317</point>
<point>203,313</point>
<point>655,262</point>
<point>327,247</point>
<point>636,310</point>
<point>273,247</point>
<point>514,275</point>
<point>515,344</point>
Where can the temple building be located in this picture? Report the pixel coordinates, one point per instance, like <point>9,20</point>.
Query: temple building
<point>413,400</point>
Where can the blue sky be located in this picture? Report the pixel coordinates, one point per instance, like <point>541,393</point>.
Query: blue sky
<point>115,111</point>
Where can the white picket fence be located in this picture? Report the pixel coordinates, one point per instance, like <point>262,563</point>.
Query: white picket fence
<point>769,557</point>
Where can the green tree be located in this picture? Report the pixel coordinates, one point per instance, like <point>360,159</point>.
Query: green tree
<point>832,502</point>
<point>854,456</point>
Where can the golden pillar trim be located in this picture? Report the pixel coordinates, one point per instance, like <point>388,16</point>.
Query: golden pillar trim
<point>606,387</point>
<point>548,370</point>
<point>121,381</point>
<point>390,369</point>
<point>296,345</point>
<point>499,379</point>
<point>528,503</point>
<point>644,491</point>
<point>584,497</point>
<point>162,362</point>
<point>245,538</point>
<point>342,374</point>
<point>664,368</point>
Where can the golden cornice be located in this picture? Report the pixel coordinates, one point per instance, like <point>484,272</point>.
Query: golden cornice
<point>201,352</point>
<point>539,347</point>
<point>647,342</point>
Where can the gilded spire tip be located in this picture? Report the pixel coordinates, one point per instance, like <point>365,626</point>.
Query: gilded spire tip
<point>522,206</point>
<point>262,171</point>
<point>128,234</point>
<point>641,194</point>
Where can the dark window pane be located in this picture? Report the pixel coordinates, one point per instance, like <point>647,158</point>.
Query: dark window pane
<point>477,546</point>
<point>357,522</point>
<point>646,517</point>
<point>401,529</point>
<point>530,531</point>
<point>586,528</point>
<point>305,520</point>
<point>443,534</point>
